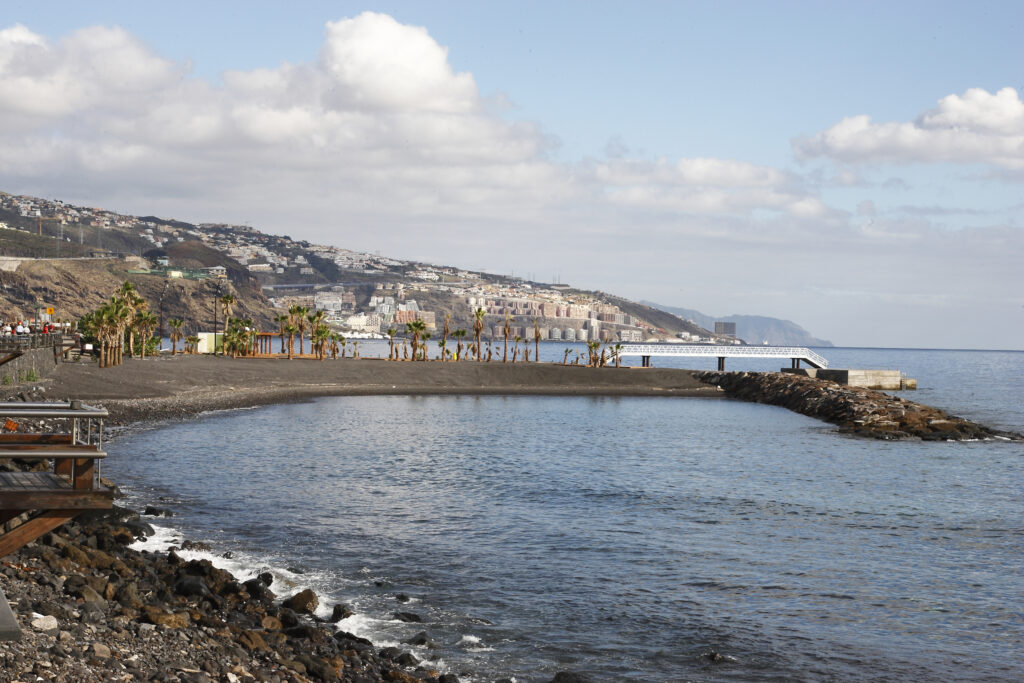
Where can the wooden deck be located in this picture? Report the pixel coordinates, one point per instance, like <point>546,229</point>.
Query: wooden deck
<point>46,499</point>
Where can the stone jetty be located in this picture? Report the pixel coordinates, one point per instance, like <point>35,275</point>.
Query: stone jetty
<point>863,412</point>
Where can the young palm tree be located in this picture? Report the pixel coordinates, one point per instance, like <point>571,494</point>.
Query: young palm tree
<point>444,334</point>
<point>175,324</point>
<point>227,303</point>
<point>515,348</point>
<point>565,358</point>
<point>536,341</point>
<point>192,344</point>
<point>290,329</point>
<point>459,336</point>
<point>391,341</point>
<point>478,328</point>
<point>508,330</point>
<point>145,322</point>
<point>281,320</point>
<point>441,349</point>
<point>617,353</point>
<point>355,348</point>
<point>301,321</point>
<point>424,347</point>
<point>341,341</point>
<point>334,345</point>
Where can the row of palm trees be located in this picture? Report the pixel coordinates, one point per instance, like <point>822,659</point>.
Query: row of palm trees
<point>126,313</point>
<point>115,324</point>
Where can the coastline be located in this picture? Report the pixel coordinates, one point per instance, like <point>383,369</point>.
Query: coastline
<point>140,604</point>
<point>182,386</point>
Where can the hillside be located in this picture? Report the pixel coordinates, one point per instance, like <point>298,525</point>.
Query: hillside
<point>754,329</point>
<point>76,287</point>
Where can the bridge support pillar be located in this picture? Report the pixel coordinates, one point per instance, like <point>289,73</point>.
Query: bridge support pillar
<point>721,362</point>
<point>645,361</point>
<point>795,363</point>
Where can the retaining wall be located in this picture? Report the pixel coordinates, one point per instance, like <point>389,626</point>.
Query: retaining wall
<point>42,361</point>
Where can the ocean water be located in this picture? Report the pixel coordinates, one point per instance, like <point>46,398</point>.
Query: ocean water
<point>626,538</point>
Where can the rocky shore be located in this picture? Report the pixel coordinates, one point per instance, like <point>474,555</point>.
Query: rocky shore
<point>863,412</point>
<point>93,609</point>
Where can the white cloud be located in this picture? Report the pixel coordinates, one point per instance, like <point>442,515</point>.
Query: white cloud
<point>380,121</point>
<point>977,127</point>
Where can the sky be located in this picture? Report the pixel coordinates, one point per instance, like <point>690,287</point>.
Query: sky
<point>857,168</point>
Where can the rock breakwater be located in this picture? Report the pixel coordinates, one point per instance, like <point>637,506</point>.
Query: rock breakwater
<point>863,412</point>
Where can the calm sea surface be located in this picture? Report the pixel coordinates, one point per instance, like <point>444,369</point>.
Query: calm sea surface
<point>626,537</point>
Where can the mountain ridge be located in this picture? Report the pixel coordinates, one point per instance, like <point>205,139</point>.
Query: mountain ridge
<point>754,329</point>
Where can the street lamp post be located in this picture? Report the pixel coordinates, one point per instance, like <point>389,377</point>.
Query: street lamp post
<point>162,295</point>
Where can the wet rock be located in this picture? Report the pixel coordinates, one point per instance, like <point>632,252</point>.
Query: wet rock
<point>195,546</point>
<point>304,602</point>
<point>408,617</point>
<point>340,612</point>
<point>152,511</point>
<point>421,639</point>
<point>258,590</point>
<point>402,597</point>
<point>570,677</point>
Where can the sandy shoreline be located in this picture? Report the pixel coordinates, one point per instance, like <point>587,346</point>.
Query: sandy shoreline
<point>182,386</point>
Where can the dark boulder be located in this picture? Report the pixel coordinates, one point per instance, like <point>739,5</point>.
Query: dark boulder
<point>408,617</point>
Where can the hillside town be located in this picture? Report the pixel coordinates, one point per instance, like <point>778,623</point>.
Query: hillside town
<point>387,294</point>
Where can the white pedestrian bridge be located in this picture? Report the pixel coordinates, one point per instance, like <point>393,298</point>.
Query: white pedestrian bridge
<point>796,354</point>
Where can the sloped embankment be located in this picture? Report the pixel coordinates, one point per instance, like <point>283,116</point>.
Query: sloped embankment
<point>858,411</point>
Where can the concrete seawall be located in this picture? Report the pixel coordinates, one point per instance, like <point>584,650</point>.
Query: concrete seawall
<point>855,410</point>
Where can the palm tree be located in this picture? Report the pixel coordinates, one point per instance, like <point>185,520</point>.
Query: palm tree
<point>341,341</point>
<point>145,322</point>
<point>565,358</point>
<point>290,329</point>
<point>134,304</point>
<point>441,346</point>
<point>617,353</point>
<point>592,348</point>
<point>508,329</point>
<point>515,348</point>
<point>300,321</point>
<point>281,320</point>
<point>424,347</point>
<point>175,324</point>
<point>415,328</point>
<point>536,341</point>
<point>321,335</point>
<point>478,328</point>
<point>192,344</point>
<point>334,345</point>
<point>459,336</point>
<point>391,341</point>
<point>444,334</point>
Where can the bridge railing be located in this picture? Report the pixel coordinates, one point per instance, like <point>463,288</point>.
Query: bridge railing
<point>719,351</point>
<point>23,342</point>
